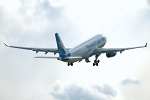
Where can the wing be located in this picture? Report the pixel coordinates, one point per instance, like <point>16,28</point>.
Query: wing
<point>46,50</point>
<point>107,50</point>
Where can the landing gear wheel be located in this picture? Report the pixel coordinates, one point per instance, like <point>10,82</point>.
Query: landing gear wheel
<point>96,64</point>
<point>93,64</point>
<point>68,64</point>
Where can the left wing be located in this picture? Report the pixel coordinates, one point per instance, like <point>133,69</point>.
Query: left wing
<point>46,50</point>
<point>108,50</point>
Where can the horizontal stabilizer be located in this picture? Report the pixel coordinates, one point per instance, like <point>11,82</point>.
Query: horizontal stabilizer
<point>47,57</point>
<point>6,44</point>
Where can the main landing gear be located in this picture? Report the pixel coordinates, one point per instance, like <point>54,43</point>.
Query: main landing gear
<point>96,61</point>
<point>70,64</point>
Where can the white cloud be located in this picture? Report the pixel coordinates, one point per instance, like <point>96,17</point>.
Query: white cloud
<point>135,90</point>
<point>106,89</point>
<point>148,2</point>
<point>129,82</point>
<point>75,92</point>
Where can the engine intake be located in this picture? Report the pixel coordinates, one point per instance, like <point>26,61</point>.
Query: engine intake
<point>111,54</point>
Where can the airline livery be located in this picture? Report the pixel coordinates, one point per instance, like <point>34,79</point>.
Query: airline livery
<point>91,47</point>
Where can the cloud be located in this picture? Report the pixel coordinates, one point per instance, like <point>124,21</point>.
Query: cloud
<point>75,92</point>
<point>143,21</point>
<point>138,89</point>
<point>41,9</point>
<point>43,15</point>
<point>106,89</point>
<point>33,20</point>
<point>129,82</point>
<point>148,2</point>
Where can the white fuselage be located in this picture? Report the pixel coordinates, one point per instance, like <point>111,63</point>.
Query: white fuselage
<point>85,49</point>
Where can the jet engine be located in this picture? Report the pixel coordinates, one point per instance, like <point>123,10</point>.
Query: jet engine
<point>111,54</point>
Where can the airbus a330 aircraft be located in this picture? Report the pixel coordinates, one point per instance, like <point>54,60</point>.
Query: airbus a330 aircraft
<point>85,50</point>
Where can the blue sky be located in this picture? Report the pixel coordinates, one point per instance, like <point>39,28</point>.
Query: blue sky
<point>125,23</point>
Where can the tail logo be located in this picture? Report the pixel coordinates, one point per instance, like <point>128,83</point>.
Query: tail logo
<point>61,45</point>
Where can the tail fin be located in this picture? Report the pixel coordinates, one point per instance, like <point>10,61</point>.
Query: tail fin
<point>63,52</point>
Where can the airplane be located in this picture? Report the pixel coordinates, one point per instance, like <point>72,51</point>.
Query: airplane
<point>91,47</point>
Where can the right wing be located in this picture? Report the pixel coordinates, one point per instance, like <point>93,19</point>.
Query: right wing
<point>46,50</point>
<point>108,50</point>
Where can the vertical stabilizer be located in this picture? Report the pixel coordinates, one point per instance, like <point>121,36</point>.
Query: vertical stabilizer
<point>63,52</point>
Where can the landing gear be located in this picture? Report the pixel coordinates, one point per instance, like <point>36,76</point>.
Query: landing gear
<point>96,61</point>
<point>70,64</point>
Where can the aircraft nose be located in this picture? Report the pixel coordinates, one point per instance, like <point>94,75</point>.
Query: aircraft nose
<point>105,38</point>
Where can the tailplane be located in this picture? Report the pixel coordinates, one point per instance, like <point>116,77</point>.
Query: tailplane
<point>63,52</point>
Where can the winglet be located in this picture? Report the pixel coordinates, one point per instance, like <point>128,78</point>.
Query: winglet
<point>146,45</point>
<point>6,44</point>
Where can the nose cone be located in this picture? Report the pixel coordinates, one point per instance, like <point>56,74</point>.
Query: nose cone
<point>105,39</point>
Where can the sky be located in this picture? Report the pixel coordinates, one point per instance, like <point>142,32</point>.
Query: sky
<point>34,23</point>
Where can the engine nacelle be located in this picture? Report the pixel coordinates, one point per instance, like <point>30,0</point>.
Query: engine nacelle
<point>111,54</point>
